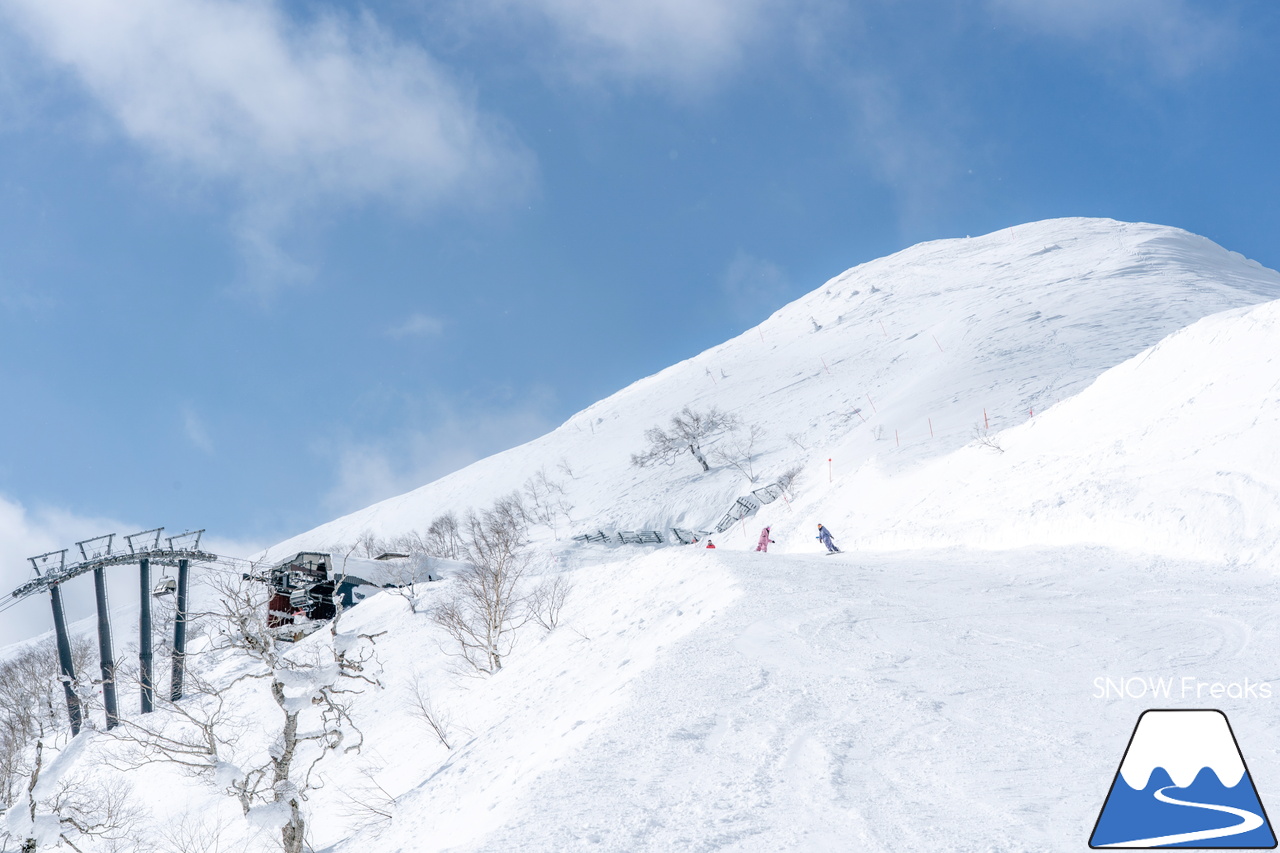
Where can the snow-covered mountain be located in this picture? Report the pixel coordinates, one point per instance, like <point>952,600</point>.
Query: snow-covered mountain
<point>886,366</point>
<point>1048,454</point>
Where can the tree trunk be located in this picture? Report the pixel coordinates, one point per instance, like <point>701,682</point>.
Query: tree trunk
<point>292,834</point>
<point>697,454</point>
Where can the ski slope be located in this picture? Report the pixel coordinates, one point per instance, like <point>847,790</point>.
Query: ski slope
<point>934,686</point>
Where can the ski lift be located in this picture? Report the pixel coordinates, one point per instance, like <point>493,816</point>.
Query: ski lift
<point>165,586</point>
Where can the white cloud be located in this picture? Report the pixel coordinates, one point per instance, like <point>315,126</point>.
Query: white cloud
<point>371,471</point>
<point>684,44</point>
<point>25,533</point>
<point>235,90</point>
<point>1174,37</point>
<point>194,428</point>
<point>417,326</point>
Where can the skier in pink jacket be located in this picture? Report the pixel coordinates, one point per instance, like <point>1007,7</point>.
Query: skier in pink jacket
<point>763,545</point>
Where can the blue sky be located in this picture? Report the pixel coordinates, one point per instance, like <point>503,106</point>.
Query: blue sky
<point>263,263</point>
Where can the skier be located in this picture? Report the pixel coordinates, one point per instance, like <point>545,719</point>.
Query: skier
<point>824,536</point>
<point>710,544</point>
<point>765,541</point>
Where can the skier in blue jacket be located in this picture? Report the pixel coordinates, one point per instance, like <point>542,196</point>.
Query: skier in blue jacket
<point>824,536</point>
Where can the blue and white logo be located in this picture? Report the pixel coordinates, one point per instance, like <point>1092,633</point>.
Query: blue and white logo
<point>1183,783</point>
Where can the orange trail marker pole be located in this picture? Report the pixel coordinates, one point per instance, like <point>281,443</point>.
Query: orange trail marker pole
<point>824,366</point>
<point>896,441</point>
<point>873,404</point>
<point>985,423</point>
<point>828,470</point>
<point>883,329</point>
<point>1032,411</point>
<point>930,427</point>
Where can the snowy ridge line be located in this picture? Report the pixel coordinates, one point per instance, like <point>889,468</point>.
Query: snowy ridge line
<point>1017,329</point>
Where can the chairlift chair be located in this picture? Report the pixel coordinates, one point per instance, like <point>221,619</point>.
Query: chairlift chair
<point>165,586</point>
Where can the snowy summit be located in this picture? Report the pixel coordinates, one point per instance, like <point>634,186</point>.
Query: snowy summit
<point>1047,455</point>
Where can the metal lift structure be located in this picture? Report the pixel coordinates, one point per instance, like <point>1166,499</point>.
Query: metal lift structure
<point>96,555</point>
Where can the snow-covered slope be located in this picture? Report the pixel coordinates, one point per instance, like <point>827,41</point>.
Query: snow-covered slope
<point>940,697</point>
<point>895,361</point>
<point>1175,452</point>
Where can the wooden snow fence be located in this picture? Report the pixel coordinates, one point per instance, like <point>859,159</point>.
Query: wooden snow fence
<point>748,505</point>
<point>743,506</point>
<point>622,537</point>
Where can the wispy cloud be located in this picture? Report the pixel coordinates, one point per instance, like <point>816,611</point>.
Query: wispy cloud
<point>336,109</point>
<point>368,471</point>
<point>25,533</point>
<point>194,428</point>
<point>683,45</point>
<point>1173,37</point>
<point>416,326</point>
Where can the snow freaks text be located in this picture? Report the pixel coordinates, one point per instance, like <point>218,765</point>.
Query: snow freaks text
<point>1184,687</point>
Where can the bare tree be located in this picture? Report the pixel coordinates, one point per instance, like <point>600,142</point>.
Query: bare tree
<point>486,607</point>
<point>546,600</point>
<point>547,501</point>
<point>195,834</point>
<point>738,450</point>
<point>403,575</point>
<point>422,707</point>
<point>33,707</point>
<point>368,802</point>
<point>313,688</point>
<point>313,684</point>
<point>689,430</point>
<point>444,538</point>
<point>76,809</point>
<point>368,544</point>
<point>196,733</point>
<point>986,439</point>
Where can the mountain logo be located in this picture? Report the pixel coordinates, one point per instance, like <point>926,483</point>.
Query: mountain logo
<point>1183,783</point>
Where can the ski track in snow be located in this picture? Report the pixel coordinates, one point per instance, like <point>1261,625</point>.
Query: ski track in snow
<point>889,703</point>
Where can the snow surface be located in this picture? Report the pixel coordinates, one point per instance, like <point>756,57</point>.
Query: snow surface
<point>933,687</point>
